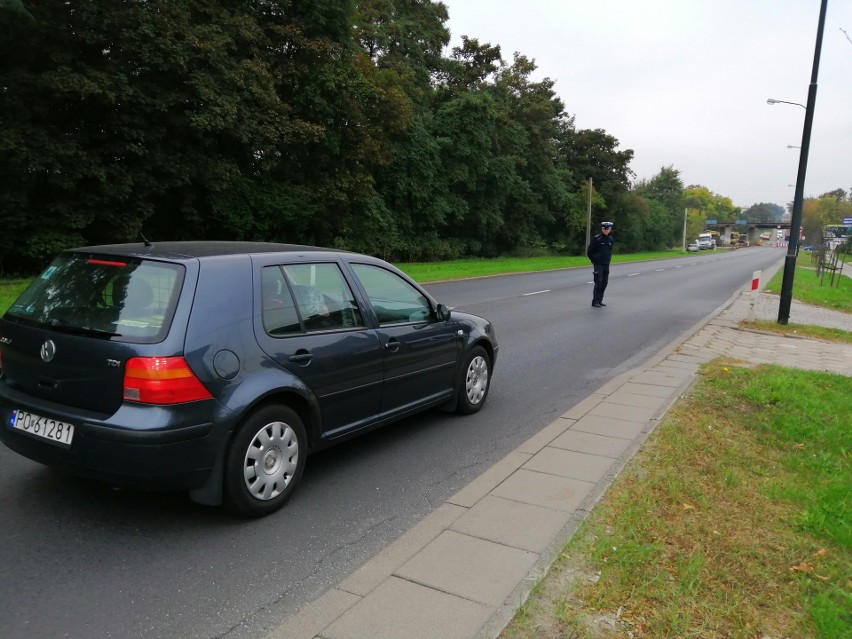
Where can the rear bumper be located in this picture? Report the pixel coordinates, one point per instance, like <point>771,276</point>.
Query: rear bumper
<point>176,450</point>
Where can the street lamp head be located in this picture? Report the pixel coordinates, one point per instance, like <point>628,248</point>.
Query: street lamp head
<point>774,101</point>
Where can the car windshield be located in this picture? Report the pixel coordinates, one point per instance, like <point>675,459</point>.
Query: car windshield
<point>127,300</point>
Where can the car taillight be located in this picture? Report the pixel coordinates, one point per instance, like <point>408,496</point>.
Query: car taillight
<point>161,380</point>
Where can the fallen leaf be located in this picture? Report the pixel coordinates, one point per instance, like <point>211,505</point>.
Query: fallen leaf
<point>687,506</point>
<point>822,552</point>
<point>802,567</point>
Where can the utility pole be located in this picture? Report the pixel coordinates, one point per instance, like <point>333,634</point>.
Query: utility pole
<point>589,216</point>
<point>685,211</point>
<point>796,222</point>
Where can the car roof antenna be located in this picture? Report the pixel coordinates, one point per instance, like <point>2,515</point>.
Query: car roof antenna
<point>144,239</point>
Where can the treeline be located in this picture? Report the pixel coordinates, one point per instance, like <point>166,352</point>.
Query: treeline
<point>330,122</point>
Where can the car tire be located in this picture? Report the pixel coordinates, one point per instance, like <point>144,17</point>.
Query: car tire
<point>265,461</point>
<point>474,382</point>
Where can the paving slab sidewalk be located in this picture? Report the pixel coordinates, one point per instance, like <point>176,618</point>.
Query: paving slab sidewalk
<point>464,570</point>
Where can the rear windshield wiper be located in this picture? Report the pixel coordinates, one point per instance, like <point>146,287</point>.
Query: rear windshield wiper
<point>65,327</point>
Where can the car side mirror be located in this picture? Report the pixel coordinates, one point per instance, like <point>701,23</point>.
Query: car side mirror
<point>443,312</point>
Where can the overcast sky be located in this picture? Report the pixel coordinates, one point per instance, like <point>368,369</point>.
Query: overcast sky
<point>684,83</point>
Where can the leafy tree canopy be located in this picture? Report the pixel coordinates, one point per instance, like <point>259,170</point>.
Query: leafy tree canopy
<point>330,122</point>
<point>764,212</point>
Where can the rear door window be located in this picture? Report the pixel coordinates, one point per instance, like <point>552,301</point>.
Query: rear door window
<point>300,298</point>
<point>128,300</point>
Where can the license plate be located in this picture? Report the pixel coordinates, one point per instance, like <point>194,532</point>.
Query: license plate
<point>44,427</point>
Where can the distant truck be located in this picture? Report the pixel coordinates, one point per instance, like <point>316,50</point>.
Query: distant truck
<point>706,242</point>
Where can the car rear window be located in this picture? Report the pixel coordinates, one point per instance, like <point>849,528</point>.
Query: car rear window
<point>128,300</point>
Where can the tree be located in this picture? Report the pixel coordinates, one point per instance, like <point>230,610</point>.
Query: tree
<point>764,212</point>
<point>542,189</point>
<point>331,122</point>
<point>826,210</point>
<point>116,120</point>
<point>666,189</point>
<point>469,68</point>
<point>712,205</point>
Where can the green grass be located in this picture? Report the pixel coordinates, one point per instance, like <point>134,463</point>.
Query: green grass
<point>460,269</point>
<point>731,522</point>
<point>801,330</point>
<point>9,292</point>
<point>809,288</point>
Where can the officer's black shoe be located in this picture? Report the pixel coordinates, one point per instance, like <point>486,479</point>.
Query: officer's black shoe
<point>597,304</point>
<point>601,304</point>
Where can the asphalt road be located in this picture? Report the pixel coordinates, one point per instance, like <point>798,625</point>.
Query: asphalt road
<point>80,560</point>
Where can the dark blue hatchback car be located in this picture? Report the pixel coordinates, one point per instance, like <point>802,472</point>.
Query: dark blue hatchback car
<point>217,367</point>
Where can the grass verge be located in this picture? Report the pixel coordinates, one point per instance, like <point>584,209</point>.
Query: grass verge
<point>9,292</point>
<point>460,269</point>
<point>809,288</point>
<point>801,330</point>
<point>731,522</point>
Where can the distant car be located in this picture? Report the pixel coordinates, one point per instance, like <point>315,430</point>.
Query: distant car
<point>216,367</point>
<point>692,247</point>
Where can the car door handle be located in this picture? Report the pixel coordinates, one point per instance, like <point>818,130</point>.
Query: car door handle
<point>302,359</point>
<point>392,345</point>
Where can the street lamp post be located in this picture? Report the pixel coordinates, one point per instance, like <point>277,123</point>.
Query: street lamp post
<point>796,221</point>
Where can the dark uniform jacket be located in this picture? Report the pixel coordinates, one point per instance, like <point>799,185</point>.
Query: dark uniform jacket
<point>600,249</point>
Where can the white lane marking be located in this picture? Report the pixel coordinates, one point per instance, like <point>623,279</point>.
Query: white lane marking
<point>632,274</point>
<point>536,293</point>
<point>660,269</point>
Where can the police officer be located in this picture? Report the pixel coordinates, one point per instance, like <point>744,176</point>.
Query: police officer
<point>600,253</point>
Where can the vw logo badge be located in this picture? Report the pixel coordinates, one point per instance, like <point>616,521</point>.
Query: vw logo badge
<point>48,350</point>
